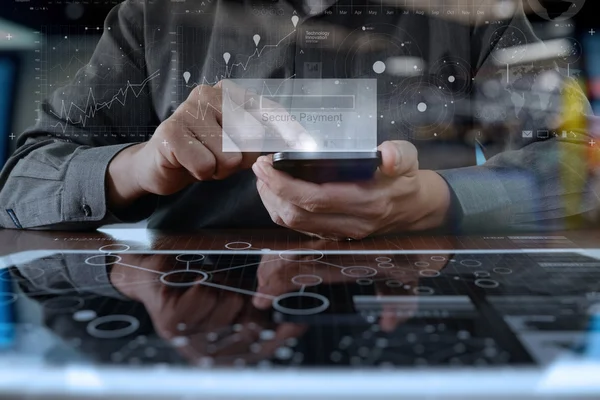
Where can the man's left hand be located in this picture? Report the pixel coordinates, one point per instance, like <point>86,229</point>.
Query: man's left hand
<point>399,198</point>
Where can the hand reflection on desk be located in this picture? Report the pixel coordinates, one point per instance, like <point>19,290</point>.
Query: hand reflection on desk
<point>204,323</point>
<point>223,311</point>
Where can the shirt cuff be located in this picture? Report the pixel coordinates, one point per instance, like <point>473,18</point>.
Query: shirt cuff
<point>84,194</point>
<point>482,201</point>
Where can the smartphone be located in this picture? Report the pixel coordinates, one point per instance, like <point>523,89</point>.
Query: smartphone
<point>321,167</point>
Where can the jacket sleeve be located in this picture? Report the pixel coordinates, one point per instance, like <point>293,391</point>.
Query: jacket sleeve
<point>56,178</point>
<point>541,180</point>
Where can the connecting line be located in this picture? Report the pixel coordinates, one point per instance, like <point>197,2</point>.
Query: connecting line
<point>256,53</point>
<point>92,107</point>
<point>242,291</point>
<point>333,265</point>
<point>242,266</point>
<point>140,268</point>
<point>187,266</point>
<point>302,289</point>
<point>200,113</point>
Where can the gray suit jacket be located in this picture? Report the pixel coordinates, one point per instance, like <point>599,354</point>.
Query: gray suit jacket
<point>56,178</point>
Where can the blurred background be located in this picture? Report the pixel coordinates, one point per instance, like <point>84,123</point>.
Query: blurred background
<point>26,26</point>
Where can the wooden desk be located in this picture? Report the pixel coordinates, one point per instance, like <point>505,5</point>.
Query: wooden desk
<point>14,241</point>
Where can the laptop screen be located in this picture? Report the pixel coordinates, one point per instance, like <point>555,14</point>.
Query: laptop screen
<point>7,81</point>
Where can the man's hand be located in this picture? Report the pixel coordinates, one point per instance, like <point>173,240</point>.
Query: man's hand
<point>400,198</point>
<point>203,315</point>
<point>185,148</point>
<point>188,146</point>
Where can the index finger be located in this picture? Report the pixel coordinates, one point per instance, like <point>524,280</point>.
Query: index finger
<point>271,115</point>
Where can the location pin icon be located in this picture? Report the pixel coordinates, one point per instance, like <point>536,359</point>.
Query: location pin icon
<point>295,20</point>
<point>256,39</point>
<point>186,76</point>
<point>226,57</point>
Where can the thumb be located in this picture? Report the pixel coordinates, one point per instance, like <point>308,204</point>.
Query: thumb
<point>398,157</point>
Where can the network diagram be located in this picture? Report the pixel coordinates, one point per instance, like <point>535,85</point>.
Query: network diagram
<point>447,315</point>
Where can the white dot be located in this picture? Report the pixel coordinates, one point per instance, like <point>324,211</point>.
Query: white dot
<point>283,353</point>
<point>422,107</point>
<point>267,334</point>
<point>451,79</point>
<point>84,315</point>
<point>379,67</point>
<point>180,341</point>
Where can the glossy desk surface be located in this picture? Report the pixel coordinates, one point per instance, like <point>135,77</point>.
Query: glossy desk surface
<point>12,241</point>
<point>274,314</point>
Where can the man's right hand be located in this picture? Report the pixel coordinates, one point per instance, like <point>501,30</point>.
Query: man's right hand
<point>185,148</point>
<point>188,146</point>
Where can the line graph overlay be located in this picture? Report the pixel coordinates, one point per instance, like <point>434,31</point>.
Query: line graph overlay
<point>92,106</point>
<point>239,54</point>
<point>80,82</point>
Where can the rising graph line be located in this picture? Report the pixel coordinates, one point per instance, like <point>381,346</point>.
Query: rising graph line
<point>256,53</point>
<point>229,69</point>
<point>92,106</point>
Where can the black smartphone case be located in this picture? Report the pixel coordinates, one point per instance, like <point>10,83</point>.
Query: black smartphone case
<point>322,167</point>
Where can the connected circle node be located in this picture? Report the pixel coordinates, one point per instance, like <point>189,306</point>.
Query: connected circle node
<point>183,278</point>
<point>503,271</point>
<point>359,272</point>
<point>190,258</point>
<point>114,248</point>
<point>238,245</point>
<point>102,260</point>
<point>307,280</point>
<point>300,303</point>
<point>126,325</point>
<point>487,283</point>
<point>423,290</point>
<point>429,273</point>
<point>393,283</point>
<point>471,263</point>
